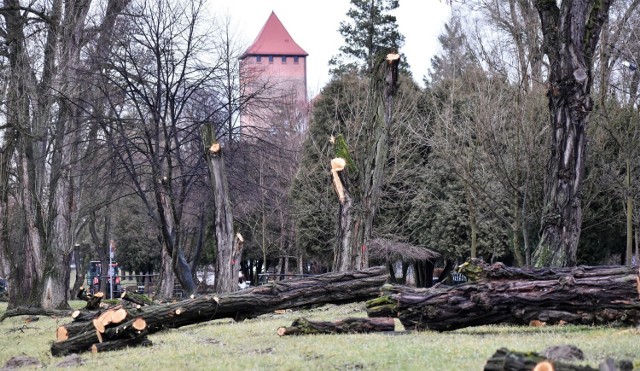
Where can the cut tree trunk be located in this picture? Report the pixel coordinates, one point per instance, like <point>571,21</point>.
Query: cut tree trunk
<point>504,359</point>
<point>507,360</point>
<point>335,288</point>
<point>582,295</point>
<point>225,282</point>
<point>303,326</point>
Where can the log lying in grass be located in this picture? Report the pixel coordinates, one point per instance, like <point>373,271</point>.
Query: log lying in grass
<point>24,311</point>
<point>504,359</point>
<point>334,288</point>
<point>303,326</point>
<point>582,295</point>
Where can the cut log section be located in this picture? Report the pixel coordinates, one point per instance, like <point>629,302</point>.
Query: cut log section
<point>507,360</point>
<point>303,326</point>
<point>582,295</point>
<point>330,288</point>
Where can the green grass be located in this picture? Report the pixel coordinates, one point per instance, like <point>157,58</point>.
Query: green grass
<point>254,345</point>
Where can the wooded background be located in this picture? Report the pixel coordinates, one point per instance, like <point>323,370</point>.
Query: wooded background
<point>521,129</point>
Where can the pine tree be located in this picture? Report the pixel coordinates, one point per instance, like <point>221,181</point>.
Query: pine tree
<point>369,31</point>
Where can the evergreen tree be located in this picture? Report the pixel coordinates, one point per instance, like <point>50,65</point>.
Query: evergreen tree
<point>455,57</point>
<point>369,31</point>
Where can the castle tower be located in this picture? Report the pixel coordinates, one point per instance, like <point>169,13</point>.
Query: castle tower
<point>274,69</point>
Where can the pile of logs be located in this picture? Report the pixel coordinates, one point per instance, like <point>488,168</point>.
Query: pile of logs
<point>604,295</point>
<point>117,327</point>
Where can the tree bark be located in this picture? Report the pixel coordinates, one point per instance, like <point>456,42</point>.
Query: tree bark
<point>335,287</point>
<point>358,207</point>
<point>571,34</point>
<point>582,295</point>
<point>303,326</point>
<point>225,282</point>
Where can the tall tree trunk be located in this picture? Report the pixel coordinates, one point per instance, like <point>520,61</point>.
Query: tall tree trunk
<point>570,37</point>
<point>355,226</point>
<point>166,280</point>
<point>385,85</point>
<point>225,281</point>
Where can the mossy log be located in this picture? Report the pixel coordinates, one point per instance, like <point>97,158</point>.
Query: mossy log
<point>139,299</point>
<point>303,326</point>
<point>330,288</point>
<point>582,295</point>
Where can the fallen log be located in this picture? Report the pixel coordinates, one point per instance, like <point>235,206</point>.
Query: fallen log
<point>507,360</point>
<point>330,288</point>
<point>303,326</point>
<point>24,311</point>
<point>581,295</point>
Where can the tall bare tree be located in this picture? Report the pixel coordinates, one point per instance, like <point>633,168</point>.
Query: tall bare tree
<point>158,66</point>
<point>45,41</point>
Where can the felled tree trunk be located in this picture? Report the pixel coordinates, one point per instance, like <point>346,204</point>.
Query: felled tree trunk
<point>504,359</point>
<point>335,287</point>
<point>303,326</point>
<point>582,295</point>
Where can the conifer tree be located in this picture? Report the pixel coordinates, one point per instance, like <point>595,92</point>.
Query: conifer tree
<point>369,31</point>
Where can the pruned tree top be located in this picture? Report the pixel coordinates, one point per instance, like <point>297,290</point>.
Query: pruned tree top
<point>385,249</point>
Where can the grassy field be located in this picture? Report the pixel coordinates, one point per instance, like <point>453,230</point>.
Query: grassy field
<point>254,345</point>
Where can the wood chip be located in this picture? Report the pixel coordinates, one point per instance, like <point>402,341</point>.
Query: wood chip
<point>94,349</point>
<point>75,314</point>
<point>99,336</point>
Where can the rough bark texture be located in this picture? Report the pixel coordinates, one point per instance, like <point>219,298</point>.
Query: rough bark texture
<point>571,35</point>
<point>336,287</point>
<point>225,282</point>
<point>303,326</point>
<point>583,295</point>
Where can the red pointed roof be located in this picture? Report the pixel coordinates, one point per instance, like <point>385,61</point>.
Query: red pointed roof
<point>274,39</point>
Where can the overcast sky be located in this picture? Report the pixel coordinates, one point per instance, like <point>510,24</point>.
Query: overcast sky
<point>313,24</point>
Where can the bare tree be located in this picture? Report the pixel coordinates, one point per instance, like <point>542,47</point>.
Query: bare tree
<point>45,48</point>
<point>158,66</point>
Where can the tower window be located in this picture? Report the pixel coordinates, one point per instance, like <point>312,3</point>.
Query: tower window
<point>284,59</point>
<point>295,60</point>
<point>258,58</point>
<point>271,59</point>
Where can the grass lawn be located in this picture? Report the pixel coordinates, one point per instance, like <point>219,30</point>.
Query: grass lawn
<point>254,345</point>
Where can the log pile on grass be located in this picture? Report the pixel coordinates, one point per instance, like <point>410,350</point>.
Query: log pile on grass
<point>120,326</point>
